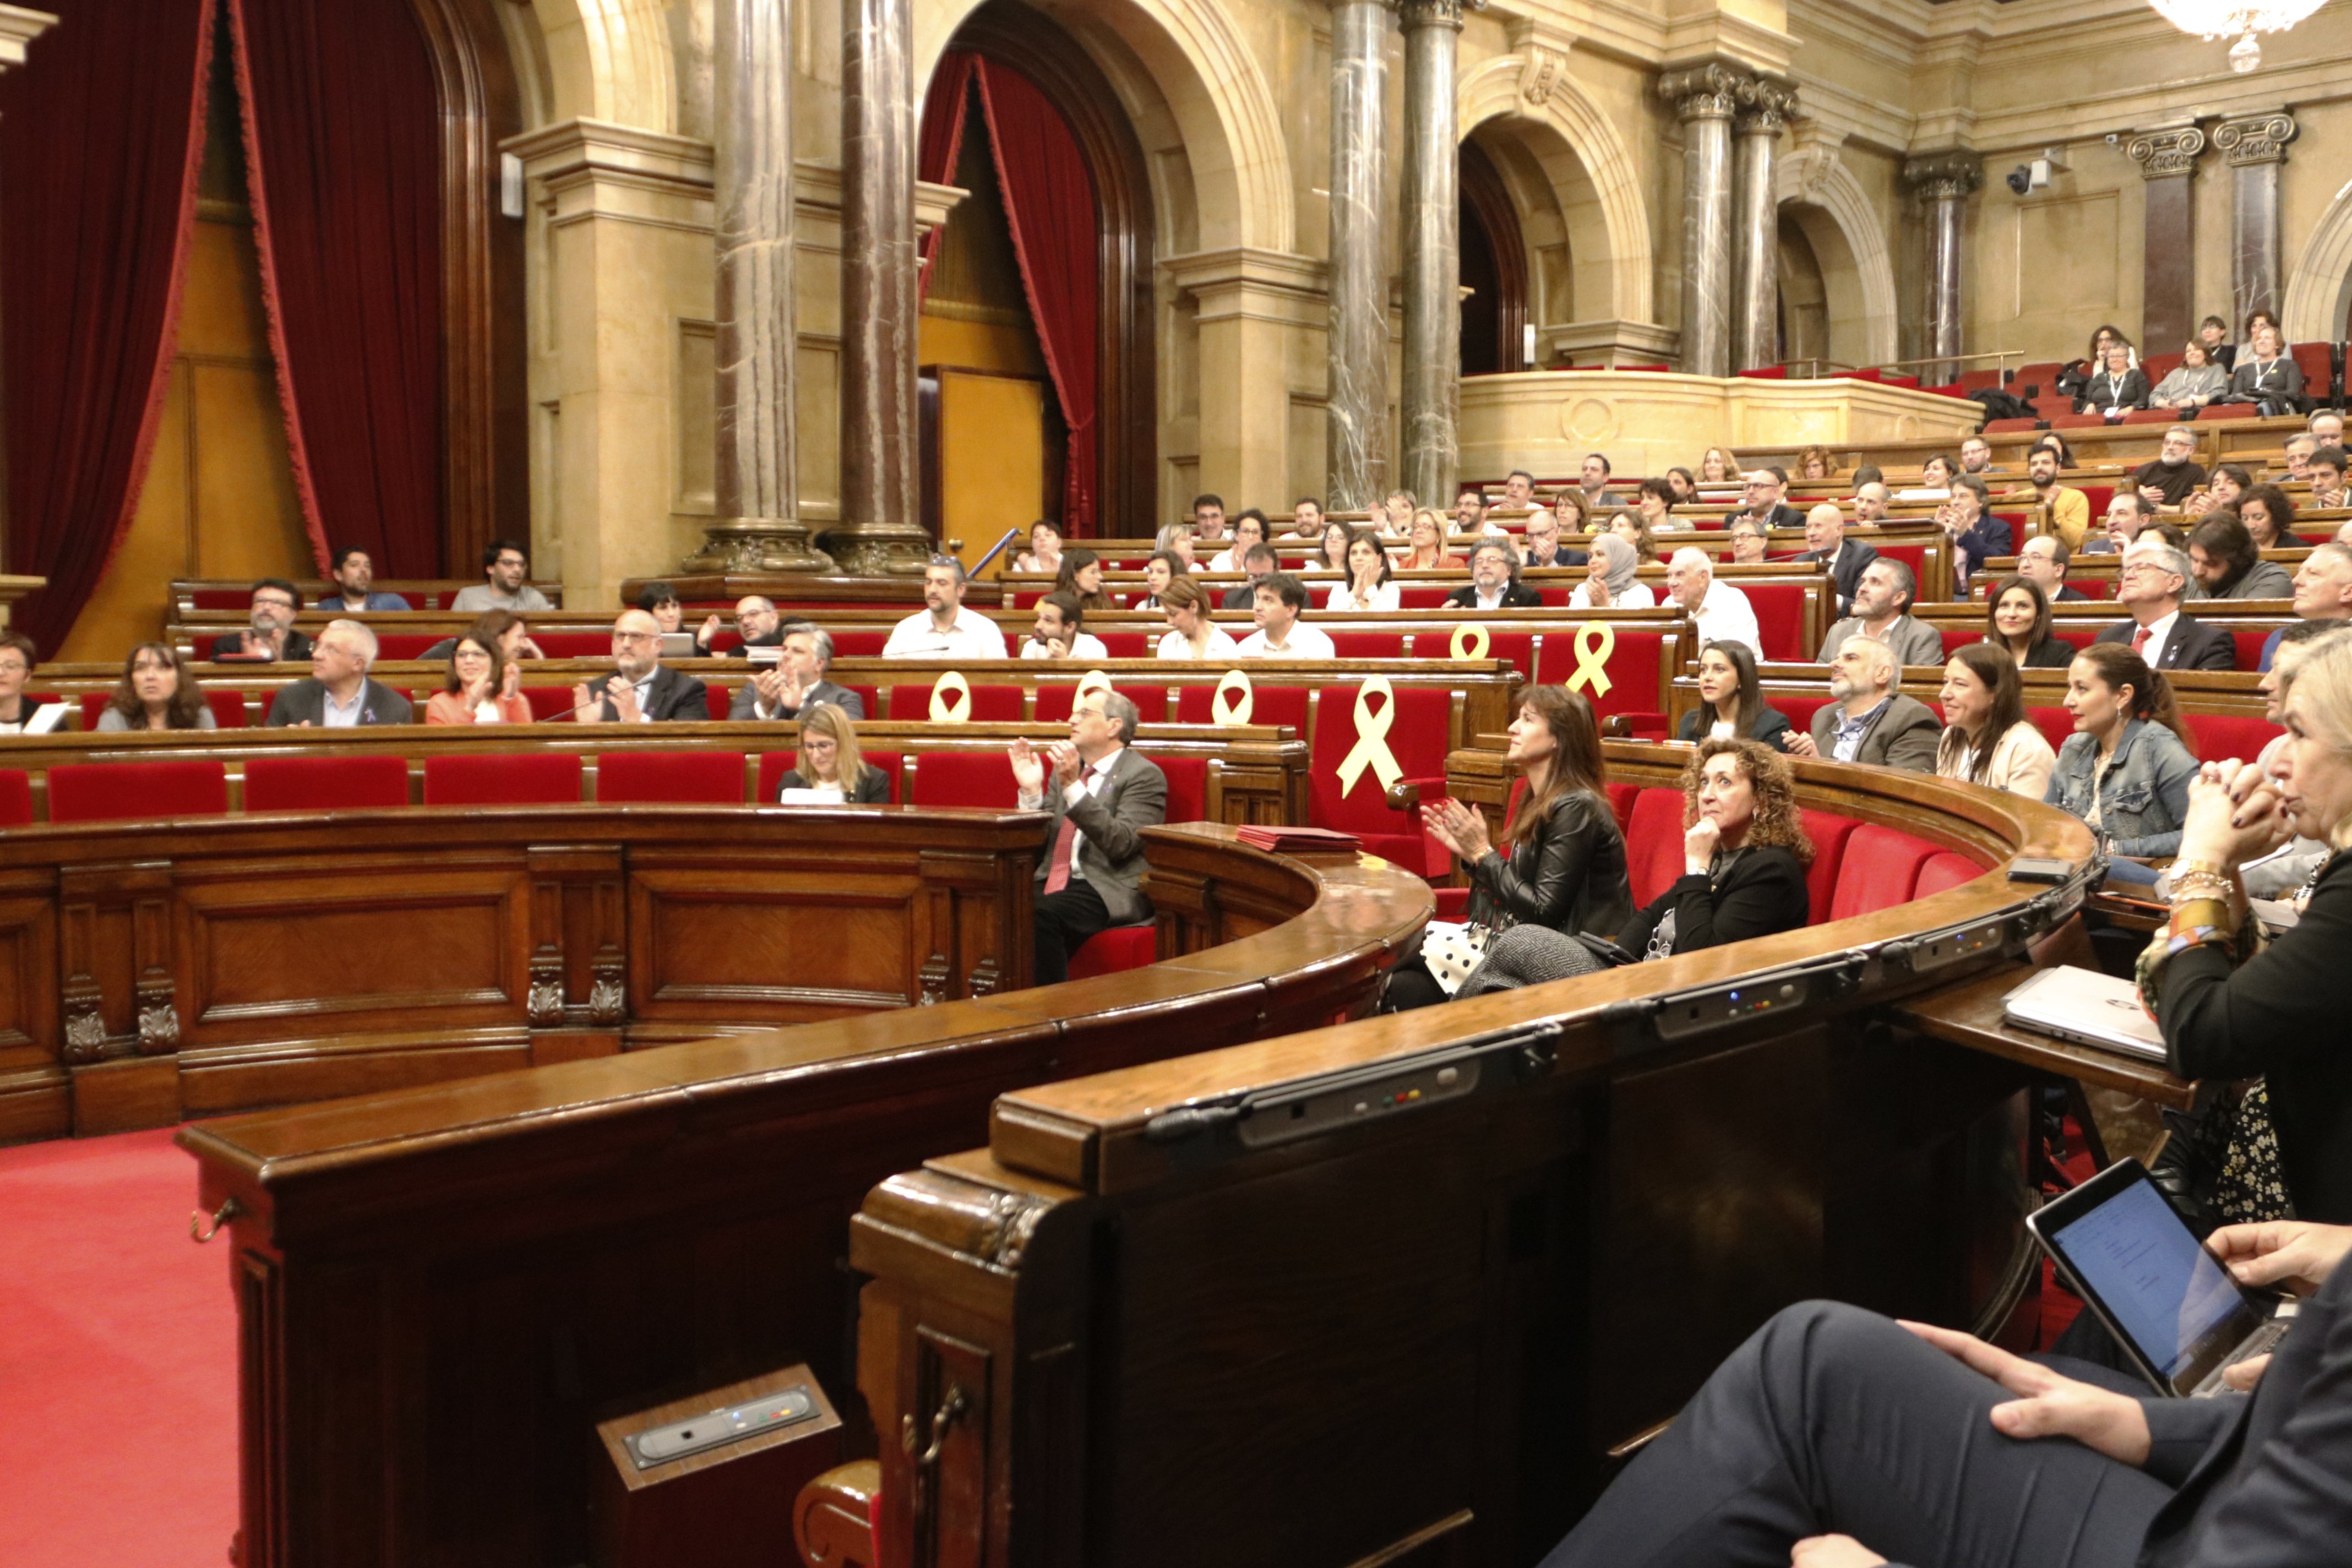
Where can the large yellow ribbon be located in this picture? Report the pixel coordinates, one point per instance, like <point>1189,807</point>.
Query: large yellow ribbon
<point>1092,681</point>
<point>951,684</point>
<point>1372,749</point>
<point>1470,640</point>
<point>1595,641</point>
<point>1233,699</point>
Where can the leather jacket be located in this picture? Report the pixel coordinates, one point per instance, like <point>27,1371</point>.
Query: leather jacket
<point>1569,875</point>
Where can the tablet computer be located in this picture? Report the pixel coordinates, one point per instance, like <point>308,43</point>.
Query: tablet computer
<point>2175,1309</point>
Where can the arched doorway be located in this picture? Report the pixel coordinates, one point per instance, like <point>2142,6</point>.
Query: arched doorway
<point>1805,307</point>
<point>1494,269</point>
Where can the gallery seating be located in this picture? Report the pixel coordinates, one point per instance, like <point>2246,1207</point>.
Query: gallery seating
<point>113,792</point>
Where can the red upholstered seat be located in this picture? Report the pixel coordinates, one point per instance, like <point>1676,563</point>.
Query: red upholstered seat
<point>1120,947</point>
<point>2031,379</point>
<point>222,598</point>
<point>523,778</point>
<point>16,797</point>
<point>1188,787</point>
<point>1519,648</point>
<point>2158,367</point>
<point>1422,595</point>
<point>2230,411</point>
<point>2249,646</point>
<point>1196,704</point>
<point>1055,702</point>
<point>549,703</point>
<point>2239,735</point>
<point>1027,598</point>
<point>412,645</point>
<point>1779,619</point>
<point>1915,556</point>
<point>1945,871</point>
<point>2146,416</point>
<point>1801,707</point>
<point>964,778</point>
<point>109,792</point>
<point>990,704</point>
<point>1418,737</point>
<point>1128,645</point>
<point>2081,636</point>
<point>1621,803</point>
<point>2009,426</point>
<point>573,645</point>
<point>2076,421</point>
<point>717,697</point>
<point>1371,645</point>
<point>1831,833</point>
<point>2096,496</point>
<point>774,765</point>
<point>2317,362</point>
<point>2057,725</point>
<point>1653,842</point>
<point>712,777</point>
<point>1958,637</point>
<point>1632,667</point>
<point>1880,869</point>
<point>856,643</point>
<point>316,783</point>
<point>1981,380</point>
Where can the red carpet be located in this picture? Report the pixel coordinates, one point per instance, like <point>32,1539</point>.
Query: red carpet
<point>118,1361</point>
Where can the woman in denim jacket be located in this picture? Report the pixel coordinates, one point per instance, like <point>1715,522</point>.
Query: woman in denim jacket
<point>2125,770</point>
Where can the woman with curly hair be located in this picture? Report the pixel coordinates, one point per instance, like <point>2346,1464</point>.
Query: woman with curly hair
<point>1815,463</point>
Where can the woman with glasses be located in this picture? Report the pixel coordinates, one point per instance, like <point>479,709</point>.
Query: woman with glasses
<point>19,714</point>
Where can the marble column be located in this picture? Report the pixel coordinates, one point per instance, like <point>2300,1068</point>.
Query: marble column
<point>756,484</point>
<point>1703,97</point>
<point>1945,181</point>
<point>1764,109</point>
<point>1431,396</point>
<point>2254,146</point>
<point>1356,457</point>
<point>878,532</point>
<point>2168,167</point>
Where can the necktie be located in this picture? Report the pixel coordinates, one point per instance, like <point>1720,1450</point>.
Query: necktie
<point>2139,638</point>
<point>1058,872</point>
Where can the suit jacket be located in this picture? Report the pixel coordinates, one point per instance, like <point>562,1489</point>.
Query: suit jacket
<point>1904,735</point>
<point>305,701</point>
<point>1913,640</point>
<point>747,699</point>
<point>673,697</point>
<point>1784,516</point>
<point>2066,593</point>
<point>741,651</point>
<point>1991,536</point>
<point>1771,727</point>
<point>1563,556</point>
<point>1515,596</point>
<point>1852,561</point>
<point>232,645</point>
<point>1134,797</point>
<point>2191,646</point>
<point>1244,597</point>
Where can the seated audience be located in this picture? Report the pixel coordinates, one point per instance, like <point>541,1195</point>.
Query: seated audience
<point>269,634</point>
<point>1731,700</point>
<point>2268,515</point>
<point>1570,513</point>
<point>1191,634</point>
<point>2227,566</point>
<point>1609,578</point>
<point>1871,499</point>
<point>945,628</point>
<point>2198,381</point>
<point>1164,567</point>
<point>1060,632</point>
<point>19,715</point>
<point>2125,769</point>
<point>1401,505</point>
<point>1867,719</point>
<point>1494,581</point>
<point>2325,426</point>
<point>1975,455</point>
<point>2323,592</point>
<point>157,692</point>
<point>337,694</point>
<point>2057,443</point>
<point>1099,794</point>
<point>2150,585</point>
<point>1518,490</point>
<point>1470,510</point>
<point>1825,543</point>
<point>1542,546</point>
<point>1178,539</point>
<point>1868,474</point>
<point>1765,489</point>
<point>2043,559</point>
<point>2127,512</point>
<point>1882,609</point>
<point>658,600</point>
<point>1045,552</point>
<point>1988,738</point>
<point>1305,518</point>
<point>1562,861</point>
<point>1747,542</point>
<point>508,631</point>
<point>1331,556</point>
<point>2168,478</point>
<point>2325,471</point>
<point>797,682</point>
<point>2267,375</point>
<point>1977,535</point>
<point>2213,337</point>
<point>1280,600</point>
<point>1635,530</point>
<point>829,767</point>
<point>643,689</point>
<point>2223,486</point>
<point>2115,388</point>
<point>1593,477</point>
<point>354,577</point>
<point>1371,584</point>
<point>1936,477</point>
<point>2070,509</point>
<point>482,689</point>
<point>1427,535</point>
<point>1081,576</point>
<point>1655,501</point>
<point>1209,518</point>
<point>1260,563</point>
<point>2299,449</point>
<point>1685,485</point>
<point>2078,374</point>
<point>505,564</point>
<point>757,621</point>
<point>1720,612</point>
<point>1744,855</point>
<point>1249,528</point>
<point>1720,466</point>
<point>2017,622</point>
<point>1815,463</point>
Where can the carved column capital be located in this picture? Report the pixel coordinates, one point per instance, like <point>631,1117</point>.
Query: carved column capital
<point>1703,92</point>
<point>1944,176</point>
<point>1764,106</point>
<point>1412,13</point>
<point>2166,154</point>
<point>2257,138</point>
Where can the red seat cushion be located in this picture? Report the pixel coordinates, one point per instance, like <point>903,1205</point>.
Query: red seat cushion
<point>1653,842</point>
<point>1779,619</point>
<point>1287,705</point>
<point>2057,725</point>
<point>2247,646</point>
<point>990,704</point>
<point>573,645</point>
<point>1128,645</point>
<point>1188,787</point>
<point>1418,736</point>
<point>1880,869</point>
<point>2076,421</point>
<point>111,792</point>
<point>1420,596</point>
<point>549,703</point>
<point>409,645</point>
<point>851,643</point>
<point>774,765</point>
<point>1945,871</point>
<point>1120,947</point>
<point>2147,417</point>
<point>2239,735</point>
<point>1799,708</point>
<point>1632,667</point>
<point>1830,832</point>
<point>712,777</point>
<point>964,778</point>
<point>1055,702</point>
<point>1958,637</point>
<point>1519,648</point>
<point>314,783</point>
<point>16,797</point>
<point>228,709</point>
<point>521,778</point>
<point>1372,645</point>
<point>1621,803</point>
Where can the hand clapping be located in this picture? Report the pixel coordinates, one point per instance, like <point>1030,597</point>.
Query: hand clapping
<point>1457,827</point>
<point>1028,767</point>
<point>1064,756</point>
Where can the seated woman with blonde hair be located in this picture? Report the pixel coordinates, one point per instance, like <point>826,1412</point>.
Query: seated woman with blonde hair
<point>830,768</point>
<point>484,687</point>
<point>157,693</point>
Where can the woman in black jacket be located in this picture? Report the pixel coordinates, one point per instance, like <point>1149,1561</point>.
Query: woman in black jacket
<point>2266,375</point>
<point>830,762</point>
<point>1730,704</point>
<point>2116,387</point>
<point>1744,855</point>
<point>1563,863</point>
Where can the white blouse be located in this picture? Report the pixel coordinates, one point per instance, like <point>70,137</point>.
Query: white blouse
<point>1343,597</point>
<point>1175,645</point>
<point>1637,597</point>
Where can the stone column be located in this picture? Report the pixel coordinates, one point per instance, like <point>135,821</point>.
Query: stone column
<point>2254,145</point>
<point>878,532</point>
<point>2167,164</point>
<point>1355,401</point>
<point>1703,97</point>
<point>756,482</point>
<point>1945,181</point>
<point>1431,400</point>
<point>1764,108</point>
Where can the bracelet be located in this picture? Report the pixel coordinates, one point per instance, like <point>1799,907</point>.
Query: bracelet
<point>2199,914</point>
<point>2201,885</point>
<point>2197,868</point>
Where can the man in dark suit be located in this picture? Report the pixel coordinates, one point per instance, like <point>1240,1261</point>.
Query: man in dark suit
<point>338,695</point>
<point>1494,581</point>
<point>1870,722</point>
<point>1260,562</point>
<point>1543,547</point>
<point>2042,560</point>
<point>796,681</point>
<point>756,622</point>
<point>271,635</point>
<point>2153,577</point>
<point>1765,489</point>
<point>645,690</point>
<point>1101,794</point>
<point>1825,543</point>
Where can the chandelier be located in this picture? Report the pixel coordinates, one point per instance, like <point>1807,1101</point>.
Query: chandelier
<point>2221,19</point>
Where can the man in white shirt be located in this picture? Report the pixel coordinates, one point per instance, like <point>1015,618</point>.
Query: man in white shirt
<point>1519,488</point>
<point>1209,518</point>
<point>944,628</point>
<point>1101,794</point>
<point>1305,518</point>
<point>1721,611</point>
<point>1056,633</point>
<point>1280,633</point>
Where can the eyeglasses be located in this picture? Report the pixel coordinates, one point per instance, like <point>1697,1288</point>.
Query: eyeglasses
<point>637,636</point>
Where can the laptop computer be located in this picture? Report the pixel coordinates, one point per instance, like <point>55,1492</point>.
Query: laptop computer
<point>2087,1007</point>
<point>2177,1313</point>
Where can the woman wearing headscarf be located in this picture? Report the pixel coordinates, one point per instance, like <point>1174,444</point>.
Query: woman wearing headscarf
<point>1609,578</point>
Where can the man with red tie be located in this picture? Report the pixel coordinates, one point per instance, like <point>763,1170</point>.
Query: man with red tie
<point>1101,794</point>
<point>2150,585</point>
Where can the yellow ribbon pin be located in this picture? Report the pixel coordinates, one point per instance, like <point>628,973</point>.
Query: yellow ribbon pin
<point>1595,641</point>
<point>1470,640</point>
<point>951,685</point>
<point>1233,700</point>
<point>1092,681</point>
<point>1372,749</point>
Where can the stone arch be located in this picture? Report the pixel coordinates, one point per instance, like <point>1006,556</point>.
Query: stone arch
<point>2320,288</point>
<point>1602,195</point>
<point>1828,205</point>
<point>611,60</point>
<point>1240,164</point>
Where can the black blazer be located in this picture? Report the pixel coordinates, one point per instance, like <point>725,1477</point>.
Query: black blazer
<point>2066,593</point>
<point>305,701</point>
<point>1771,727</point>
<point>674,695</point>
<point>231,645</point>
<point>1784,516</point>
<point>2192,644</point>
<point>1568,874</point>
<point>2281,380</point>
<point>1515,596</point>
<point>873,787</point>
<point>2100,393</point>
<point>1852,561</point>
<point>1242,598</point>
<point>2050,653</point>
<point>2172,484</point>
<point>1762,891</point>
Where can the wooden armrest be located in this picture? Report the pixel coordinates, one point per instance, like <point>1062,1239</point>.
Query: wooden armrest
<point>832,1519</point>
<point>1405,793</point>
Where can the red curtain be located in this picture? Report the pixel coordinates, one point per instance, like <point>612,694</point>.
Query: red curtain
<point>343,155</point>
<point>101,132</point>
<point>941,141</point>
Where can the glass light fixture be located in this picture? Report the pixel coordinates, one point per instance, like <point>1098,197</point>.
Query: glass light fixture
<point>2244,18</point>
